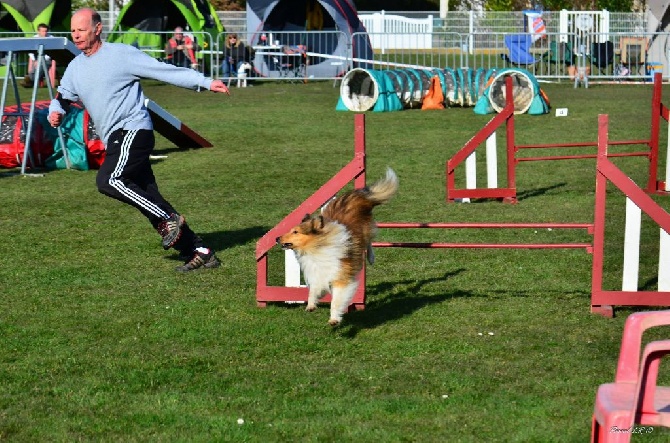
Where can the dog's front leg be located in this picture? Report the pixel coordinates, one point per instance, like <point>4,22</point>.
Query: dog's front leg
<point>313,298</point>
<point>342,296</point>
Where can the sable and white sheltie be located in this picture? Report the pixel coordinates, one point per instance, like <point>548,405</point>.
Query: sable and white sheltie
<point>331,246</point>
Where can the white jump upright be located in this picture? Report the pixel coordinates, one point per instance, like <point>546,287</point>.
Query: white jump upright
<point>631,247</point>
<point>470,174</point>
<point>491,167</point>
<point>631,257</point>
<point>664,262</point>
<point>491,162</point>
<point>291,270</point>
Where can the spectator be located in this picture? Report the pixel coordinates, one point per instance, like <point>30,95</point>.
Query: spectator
<point>180,50</point>
<point>234,54</point>
<point>42,31</point>
<point>112,93</point>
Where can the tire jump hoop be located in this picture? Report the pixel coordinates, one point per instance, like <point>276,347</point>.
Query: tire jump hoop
<point>602,301</point>
<point>487,135</point>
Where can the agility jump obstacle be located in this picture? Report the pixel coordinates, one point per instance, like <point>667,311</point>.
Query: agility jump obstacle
<point>602,301</point>
<point>637,201</point>
<point>293,292</point>
<point>506,117</point>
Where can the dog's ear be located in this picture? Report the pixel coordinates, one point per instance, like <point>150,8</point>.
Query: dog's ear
<point>316,224</point>
<point>306,217</point>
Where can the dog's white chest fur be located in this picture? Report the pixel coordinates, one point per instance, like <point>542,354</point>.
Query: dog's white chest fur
<point>322,265</point>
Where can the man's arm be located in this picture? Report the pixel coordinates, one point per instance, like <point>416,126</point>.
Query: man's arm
<point>169,49</point>
<point>58,107</point>
<point>219,86</point>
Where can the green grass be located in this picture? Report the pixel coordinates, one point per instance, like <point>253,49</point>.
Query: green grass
<point>103,341</point>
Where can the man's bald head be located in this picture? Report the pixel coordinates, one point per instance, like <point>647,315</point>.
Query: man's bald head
<point>86,30</point>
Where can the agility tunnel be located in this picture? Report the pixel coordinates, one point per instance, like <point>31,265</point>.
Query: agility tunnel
<point>393,90</point>
<point>526,92</point>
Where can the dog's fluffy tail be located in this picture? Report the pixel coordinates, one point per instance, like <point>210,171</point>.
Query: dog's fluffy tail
<point>382,190</point>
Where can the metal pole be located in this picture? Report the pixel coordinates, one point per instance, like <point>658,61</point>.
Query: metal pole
<point>29,130</point>
<point>50,88</point>
<point>111,15</point>
<point>444,8</point>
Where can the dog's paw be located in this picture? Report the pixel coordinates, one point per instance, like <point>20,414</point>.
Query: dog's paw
<point>310,308</point>
<point>334,322</point>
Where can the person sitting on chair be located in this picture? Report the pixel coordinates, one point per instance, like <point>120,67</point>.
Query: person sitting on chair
<point>180,50</point>
<point>234,54</point>
<point>42,31</point>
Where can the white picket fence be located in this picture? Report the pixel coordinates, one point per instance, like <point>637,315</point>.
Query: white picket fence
<point>390,31</point>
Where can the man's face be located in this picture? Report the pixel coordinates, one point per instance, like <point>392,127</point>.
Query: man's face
<point>42,32</point>
<point>84,34</point>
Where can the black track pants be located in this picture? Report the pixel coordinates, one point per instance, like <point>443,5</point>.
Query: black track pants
<point>126,175</point>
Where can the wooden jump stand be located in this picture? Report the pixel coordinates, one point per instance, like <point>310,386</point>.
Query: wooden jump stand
<point>354,170</point>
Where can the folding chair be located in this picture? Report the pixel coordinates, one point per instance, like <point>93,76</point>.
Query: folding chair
<point>518,47</point>
<point>292,64</point>
<point>602,56</point>
<point>560,54</point>
<point>633,52</point>
<point>634,398</point>
<point>284,67</point>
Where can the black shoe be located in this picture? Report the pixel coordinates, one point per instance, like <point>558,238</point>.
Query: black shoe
<point>185,256</point>
<point>198,261</point>
<point>170,230</point>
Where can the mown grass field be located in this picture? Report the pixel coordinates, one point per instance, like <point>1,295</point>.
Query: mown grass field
<point>103,341</point>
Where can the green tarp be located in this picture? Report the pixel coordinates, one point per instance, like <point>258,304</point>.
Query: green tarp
<point>24,15</point>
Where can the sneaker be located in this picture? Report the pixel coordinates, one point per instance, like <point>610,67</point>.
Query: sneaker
<point>185,256</point>
<point>170,230</point>
<point>198,261</point>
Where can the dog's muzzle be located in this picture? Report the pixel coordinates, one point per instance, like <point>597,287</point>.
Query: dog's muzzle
<point>284,245</point>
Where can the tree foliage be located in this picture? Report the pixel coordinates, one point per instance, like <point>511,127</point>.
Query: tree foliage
<point>361,5</point>
<point>229,5</point>
<point>99,5</point>
<point>422,5</point>
<point>557,5</point>
<point>615,5</point>
<point>399,5</point>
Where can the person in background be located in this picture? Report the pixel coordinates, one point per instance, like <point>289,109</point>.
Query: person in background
<point>234,54</point>
<point>42,31</point>
<point>105,78</point>
<point>180,50</point>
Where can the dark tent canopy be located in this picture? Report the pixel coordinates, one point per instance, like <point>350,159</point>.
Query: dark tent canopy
<point>285,19</point>
<point>25,15</point>
<point>147,23</point>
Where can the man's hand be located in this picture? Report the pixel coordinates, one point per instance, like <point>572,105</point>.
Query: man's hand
<point>55,119</point>
<point>219,86</point>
